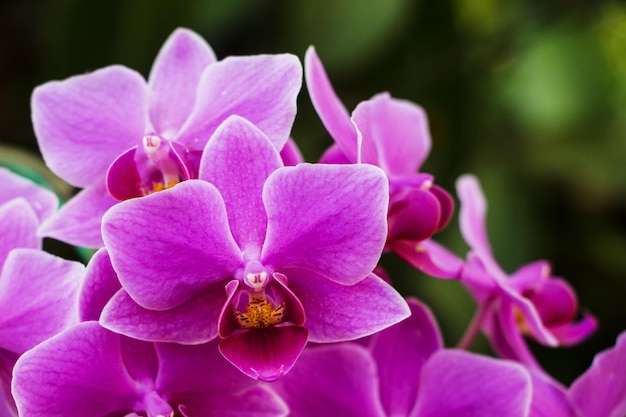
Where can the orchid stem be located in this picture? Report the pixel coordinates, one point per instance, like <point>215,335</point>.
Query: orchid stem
<point>474,327</point>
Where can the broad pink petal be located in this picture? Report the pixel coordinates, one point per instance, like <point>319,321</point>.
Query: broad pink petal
<point>395,134</point>
<point>331,219</point>
<point>237,160</point>
<point>601,390</point>
<point>193,322</point>
<point>472,218</point>
<point>400,353</point>
<point>336,312</point>
<point>265,354</point>
<point>336,380</point>
<point>227,393</point>
<point>77,373</point>
<point>174,79</point>
<point>290,154</point>
<point>38,297</point>
<point>79,221</point>
<point>429,257</point>
<point>99,285</point>
<point>42,200</point>
<point>262,89</point>
<point>549,398</point>
<point>185,244</point>
<point>18,227</point>
<point>456,383</point>
<point>334,115</point>
<point>83,123</point>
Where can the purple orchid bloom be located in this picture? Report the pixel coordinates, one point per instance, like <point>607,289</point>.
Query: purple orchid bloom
<point>38,291</point>
<point>528,302</point>
<point>90,371</point>
<point>246,250</point>
<point>404,372</point>
<point>118,136</point>
<point>393,135</point>
<point>601,390</point>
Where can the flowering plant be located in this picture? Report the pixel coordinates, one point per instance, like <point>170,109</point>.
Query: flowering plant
<point>232,278</point>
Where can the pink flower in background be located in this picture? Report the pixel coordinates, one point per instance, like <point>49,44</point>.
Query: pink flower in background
<point>528,302</point>
<point>118,136</point>
<point>266,256</point>
<point>393,135</point>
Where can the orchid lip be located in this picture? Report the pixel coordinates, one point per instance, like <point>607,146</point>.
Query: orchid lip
<point>156,406</point>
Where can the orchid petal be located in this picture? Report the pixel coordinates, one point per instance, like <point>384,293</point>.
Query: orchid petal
<point>91,380</point>
<point>472,217</point>
<point>99,285</point>
<point>265,354</point>
<point>228,393</point>
<point>237,160</point>
<point>334,155</point>
<point>187,249</point>
<point>192,322</point>
<point>79,221</point>
<point>395,134</point>
<point>174,79</point>
<point>335,312</point>
<point>38,294</point>
<point>446,203</point>
<point>331,219</point>
<point>555,302</point>
<point>571,333</point>
<point>400,352</point>
<point>84,122</point>
<point>413,216</point>
<point>549,398</point>
<point>123,181</point>
<point>262,89</point>
<point>336,380</point>
<point>18,227</point>
<point>334,115</point>
<point>429,257</point>
<point>461,384</point>
<point>601,390</point>
<point>290,154</point>
<point>42,200</point>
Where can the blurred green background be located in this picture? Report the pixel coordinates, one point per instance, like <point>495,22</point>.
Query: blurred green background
<point>528,95</point>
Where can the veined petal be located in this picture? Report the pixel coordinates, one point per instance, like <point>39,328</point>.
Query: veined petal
<point>329,108</point>
<point>18,227</point>
<point>265,354</point>
<point>79,372</point>
<point>549,398</point>
<point>472,217</point>
<point>192,322</point>
<point>38,294</point>
<point>395,134</point>
<point>227,392</point>
<point>456,383</point>
<point>237,160</point>
<point>42,200</point>
<point>262,89</point>
<point>400,352</point>
<point>174,79</point>
<point>335,380</point>
<point>79,221</point>
<point>99,286</point>
<point>184,244</point>
<point>336,312</point>
<point>84,122</point>
<point>601,390</point>
<point>331,219</point>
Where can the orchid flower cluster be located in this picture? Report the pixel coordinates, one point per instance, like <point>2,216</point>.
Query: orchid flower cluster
<point>231,278</point>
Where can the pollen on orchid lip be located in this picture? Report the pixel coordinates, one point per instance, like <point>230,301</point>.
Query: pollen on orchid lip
<point>420,248</point>
<point>151,143</point>
<point>260,313</point>
<point>159,186</point>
